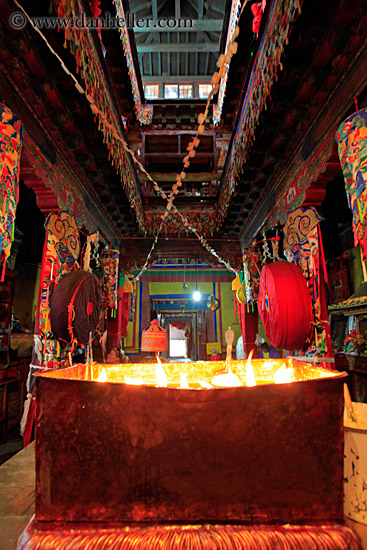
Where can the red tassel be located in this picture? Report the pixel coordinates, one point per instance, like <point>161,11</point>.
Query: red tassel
<point>356,102</point>
<point>3,271</point>
<point>321,254</point>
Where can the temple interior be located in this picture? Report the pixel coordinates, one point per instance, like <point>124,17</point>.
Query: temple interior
<point>183,281</point>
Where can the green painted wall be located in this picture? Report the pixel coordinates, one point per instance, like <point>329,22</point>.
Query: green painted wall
<point>227,311</point>
<point>355,267</point>
<point>225,316</point>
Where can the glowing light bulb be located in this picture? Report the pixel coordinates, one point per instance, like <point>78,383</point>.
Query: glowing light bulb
<point>197,296</point>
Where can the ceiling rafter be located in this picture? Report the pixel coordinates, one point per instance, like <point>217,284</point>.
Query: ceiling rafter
<point>196,25</point>
<point>182,47</point>
<point>178,78</point>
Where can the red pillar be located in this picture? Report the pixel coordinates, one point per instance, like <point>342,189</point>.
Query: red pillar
<point>324,315</point>
<point>249,326</point>
<point>113,334</point>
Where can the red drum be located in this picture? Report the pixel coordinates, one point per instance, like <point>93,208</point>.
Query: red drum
<point>284,305</point>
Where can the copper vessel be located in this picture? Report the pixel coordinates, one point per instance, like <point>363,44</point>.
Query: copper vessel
<point>117,452</point>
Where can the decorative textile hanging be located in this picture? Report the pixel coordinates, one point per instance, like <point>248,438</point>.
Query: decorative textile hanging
<point>65,230</point>
<point>123,308</point>
<point>284,305</point>
<point>76,307</point>
<point>300,223</point>
<point>352,148</point>
<point>252,263</point>
<point>264,72</point>
<point>91,71</point>
<point>91,239</point>
<point>110,264</point>
<point>60,254</point>
<point>303,245</point>
<point>257,11</point>
<point>11,141</point>
<point>50,274</point>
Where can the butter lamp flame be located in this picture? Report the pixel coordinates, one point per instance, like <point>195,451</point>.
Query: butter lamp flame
<point>160,374</point>
<point>283,375</point>
<point>103,376</point>
<point>184,385</point>
<point>250,377</point>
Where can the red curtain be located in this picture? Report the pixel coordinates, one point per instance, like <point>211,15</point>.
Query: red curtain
<point>181,325</point>
<point>123,312</point>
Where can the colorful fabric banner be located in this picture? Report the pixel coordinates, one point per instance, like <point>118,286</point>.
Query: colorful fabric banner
<point>217,109</point>
<point>144,113</point>
<point>303,246</point>
<point>11,141</point>
<point>352,148</point>
<point>252,264</point>
<point>264,72</point>
<point>60,255</point>
<point>110,280</point>
<point>92,73</point>
<point>299,225</point>
<point>50,275</point>
<point>67,242</point>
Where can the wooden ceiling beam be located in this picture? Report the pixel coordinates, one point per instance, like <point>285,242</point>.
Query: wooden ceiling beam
<point>171,176</point>
<point>178,47</point>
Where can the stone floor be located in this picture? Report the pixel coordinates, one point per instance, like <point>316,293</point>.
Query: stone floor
<point>17,482</point>
<point>12,445</point>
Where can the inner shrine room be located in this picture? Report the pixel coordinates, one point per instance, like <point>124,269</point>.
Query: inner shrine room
<point>183,280</point>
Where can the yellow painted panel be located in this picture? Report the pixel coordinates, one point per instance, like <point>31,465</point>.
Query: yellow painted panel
<point>227,312</point>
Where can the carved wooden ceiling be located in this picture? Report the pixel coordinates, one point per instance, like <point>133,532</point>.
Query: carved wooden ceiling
<point>322,70</point>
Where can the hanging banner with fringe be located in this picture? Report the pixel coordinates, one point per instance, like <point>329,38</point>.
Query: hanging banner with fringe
<point>303,246</point>
<point>352,148</point>
<point>67,242</point>
<point>50,275</point>
<point>11,141</point>
<point>60,255</point>
<point>88,64</point>
<point>110,264</point>
<point>282,14</point>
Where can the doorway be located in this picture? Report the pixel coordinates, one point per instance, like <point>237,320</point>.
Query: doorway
<point>177,342</point>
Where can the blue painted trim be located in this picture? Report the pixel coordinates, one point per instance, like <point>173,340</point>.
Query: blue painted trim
<point>140,310</point>
<point>187,296</point>
<point>215,318</point>
<point>193,306</point>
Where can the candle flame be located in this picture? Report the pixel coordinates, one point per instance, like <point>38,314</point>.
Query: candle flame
<point>250,377</point>
<point>283,375</point>
<point>103,376</point>
<point>227,380</point>
<point>133,381</point>
<point>160,374</point>
<point>205,385</point>
<point>183,381</point>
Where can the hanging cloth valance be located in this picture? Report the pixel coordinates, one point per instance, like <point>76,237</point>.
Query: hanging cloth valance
<point>352,148</point>
<point>11,141</point>
<point>110,280</point>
